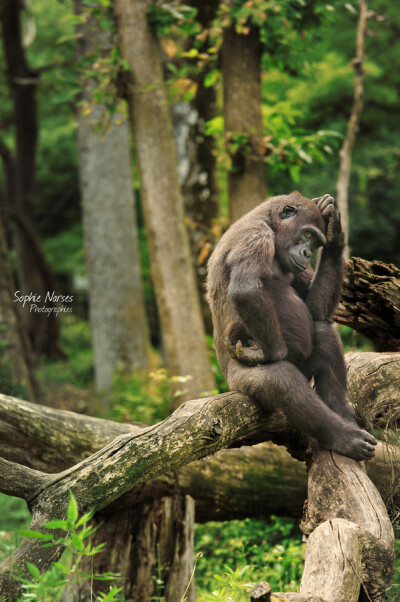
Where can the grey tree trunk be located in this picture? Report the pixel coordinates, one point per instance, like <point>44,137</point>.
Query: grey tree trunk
<point>116,303</point>
<point>117,314</point>
<point>171,265</point>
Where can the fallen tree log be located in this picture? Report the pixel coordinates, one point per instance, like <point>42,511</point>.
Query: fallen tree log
<point>247,482</point>
<point>250,481</point>
<point>195,430</point>
<point>370,302</point>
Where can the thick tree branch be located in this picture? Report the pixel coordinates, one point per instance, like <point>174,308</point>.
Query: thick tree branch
<point>195,430</point>
<point>250,481</point>
<point>21,481</point>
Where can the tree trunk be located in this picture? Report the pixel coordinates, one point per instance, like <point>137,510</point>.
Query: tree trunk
<point>117,314</point>
<point>241,57</point>
<point>342,186</point>
<point>197,162</point>
<point>370,302</point>
<point>34,273</point>
<point>17,350</point>
<point>351,545</point>
<point>171,265</point>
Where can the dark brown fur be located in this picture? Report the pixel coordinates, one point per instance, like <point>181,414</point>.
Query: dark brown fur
<point>259,297</point>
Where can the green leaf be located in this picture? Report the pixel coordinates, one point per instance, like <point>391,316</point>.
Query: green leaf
<point>57,524</point>
<point>294,171</point>
<point>34,571</point>
<point>211,78</point>
<point>191,54</point>
<point>77,542</point>
<point>85,518</point>
<point>35,535</point>
<point>73,511</point>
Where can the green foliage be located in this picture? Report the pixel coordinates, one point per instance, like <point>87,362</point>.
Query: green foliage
<point>166,16</point>
<point>77,367</point>
<point>248,551</point>
<point>393,595</point>
<point>285,147</point>
<point>222,386</point>
<point>8,383</point>
<point>145,398</point>
<point>65,252</point>
<point>233,587</point>
<point>352,340</point>
<point>74,533</point>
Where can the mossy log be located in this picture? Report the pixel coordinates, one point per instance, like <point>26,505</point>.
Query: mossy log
<point>196,430</point>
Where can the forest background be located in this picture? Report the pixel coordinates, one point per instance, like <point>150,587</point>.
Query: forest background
<point>79,214</point>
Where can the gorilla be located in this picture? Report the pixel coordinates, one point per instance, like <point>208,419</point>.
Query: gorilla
<point>272,317</point>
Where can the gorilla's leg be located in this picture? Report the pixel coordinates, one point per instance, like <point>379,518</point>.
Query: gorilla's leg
<point>327,366</point>
<point>281,385</point>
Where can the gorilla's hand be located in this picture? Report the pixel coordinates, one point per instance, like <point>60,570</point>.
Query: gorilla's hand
<point>251,355</point>
<point>327,206</point>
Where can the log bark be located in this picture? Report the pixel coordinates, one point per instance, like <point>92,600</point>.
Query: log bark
<point>250,481</point>
<point>196,430</point>
<point>153,540</point>
<point>370,302</point>
<point>351,545</point>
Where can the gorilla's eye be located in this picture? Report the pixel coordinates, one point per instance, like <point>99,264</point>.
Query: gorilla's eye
<point>308,236</point>
<point>288,211</point>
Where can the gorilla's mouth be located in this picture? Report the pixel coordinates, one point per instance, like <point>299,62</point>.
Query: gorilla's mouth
<point>299,266</point>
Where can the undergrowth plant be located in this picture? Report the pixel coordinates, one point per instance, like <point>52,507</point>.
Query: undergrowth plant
<point>49,586</point>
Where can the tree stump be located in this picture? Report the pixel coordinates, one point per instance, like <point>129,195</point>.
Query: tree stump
<point>351,540</point>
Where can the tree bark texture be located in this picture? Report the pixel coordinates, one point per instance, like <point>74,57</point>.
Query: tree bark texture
<point>34,273</point>
<point>196,430</point>
<point>116,302</point>
<point>351,545</point>
<point>342,186</point>
<point>196,165</point>
<point>370,302</point>
<point>241,66</point>
<point>197,162</point>
<point>171,264</point>
<point>250,481</point>
<point>17,350</point>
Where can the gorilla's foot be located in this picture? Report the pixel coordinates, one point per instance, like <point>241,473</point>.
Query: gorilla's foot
<point>354,442</point>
